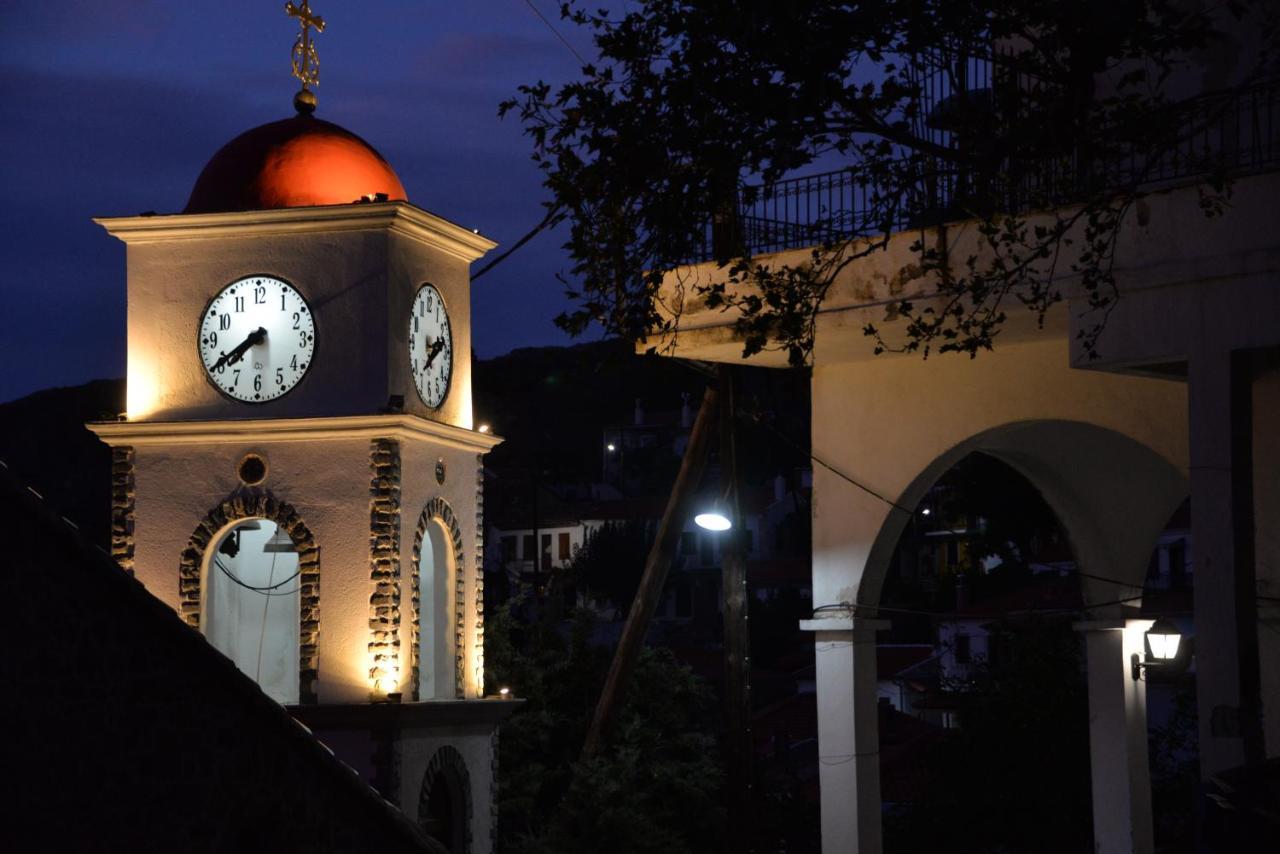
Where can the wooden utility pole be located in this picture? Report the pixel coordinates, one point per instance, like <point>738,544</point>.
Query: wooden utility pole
<point>655,574</point>
<point>737,646</point>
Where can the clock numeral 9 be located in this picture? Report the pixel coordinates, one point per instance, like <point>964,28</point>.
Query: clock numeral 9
<point>213,339</point>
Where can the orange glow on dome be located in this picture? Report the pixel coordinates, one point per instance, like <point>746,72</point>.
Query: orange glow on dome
<point>297,162</point>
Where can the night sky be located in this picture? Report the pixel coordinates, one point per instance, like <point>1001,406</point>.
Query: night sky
<point>112,108</point>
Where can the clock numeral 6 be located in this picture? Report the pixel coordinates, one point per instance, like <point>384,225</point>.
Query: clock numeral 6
<point>257,382</point>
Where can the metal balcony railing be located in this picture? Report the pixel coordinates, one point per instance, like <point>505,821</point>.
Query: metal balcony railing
<point>1235,133</point>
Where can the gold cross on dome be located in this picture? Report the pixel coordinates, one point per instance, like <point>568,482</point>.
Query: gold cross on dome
<point>306,62</point>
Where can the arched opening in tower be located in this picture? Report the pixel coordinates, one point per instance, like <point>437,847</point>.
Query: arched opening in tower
<point>251,602</point>
<point>436,637</point>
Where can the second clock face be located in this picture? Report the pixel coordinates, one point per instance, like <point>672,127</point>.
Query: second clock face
<point>256,339</point>
<point>430,346</point>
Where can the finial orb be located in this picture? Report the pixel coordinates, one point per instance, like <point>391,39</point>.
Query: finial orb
<point>305,102</point>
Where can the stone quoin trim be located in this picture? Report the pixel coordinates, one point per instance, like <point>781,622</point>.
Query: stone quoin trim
<point>122,502</point>
<point>384,560</point>
<point>447,765</point>
<point>479,570</point>
<point>257,503</point>
<point>438,509</point>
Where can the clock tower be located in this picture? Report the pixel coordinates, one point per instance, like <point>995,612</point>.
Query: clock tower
<point>298,473</point>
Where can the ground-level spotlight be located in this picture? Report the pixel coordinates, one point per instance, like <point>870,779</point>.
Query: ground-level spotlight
<point>611,447</point>
<point>1163,640</point>
<point>504,692</point>
<point>483,428</point>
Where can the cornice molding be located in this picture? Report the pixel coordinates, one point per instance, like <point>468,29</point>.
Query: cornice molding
<point>141,434</point>
<point>398,217</point>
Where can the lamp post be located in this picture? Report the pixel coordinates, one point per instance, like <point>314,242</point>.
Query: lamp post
<point>1162,640</point>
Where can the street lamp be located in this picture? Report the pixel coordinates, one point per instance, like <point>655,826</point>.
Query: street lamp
<point>1163,640</point>
<point>714,518</point>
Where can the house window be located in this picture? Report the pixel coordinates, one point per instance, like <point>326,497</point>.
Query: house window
<point>963,655</point>
<point>546,551</point>
<point>527,547</point>
<point>508,548</point>
<point>563,546</point>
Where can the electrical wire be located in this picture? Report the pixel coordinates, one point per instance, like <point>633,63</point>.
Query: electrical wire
<point>266,604</point>
<point>755,417</point>
<point>266,591</point>
<point>547,220</point>
<point>555,32</point>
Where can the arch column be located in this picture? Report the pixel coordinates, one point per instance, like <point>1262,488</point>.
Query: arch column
<point>848,732</point>
<point>1119,764</point>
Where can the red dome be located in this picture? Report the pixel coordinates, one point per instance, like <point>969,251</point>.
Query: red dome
<point>297,162</point>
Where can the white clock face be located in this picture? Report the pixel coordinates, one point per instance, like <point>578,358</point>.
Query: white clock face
<point>256,339</point>
<point>430,346</point>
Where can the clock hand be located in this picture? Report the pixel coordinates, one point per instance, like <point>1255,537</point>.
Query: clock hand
<point>254,338</point>
<point>435,351</point>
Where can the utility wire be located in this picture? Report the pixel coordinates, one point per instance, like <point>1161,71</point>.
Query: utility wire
<point>555,32</point>
<point>549,219</point>
<point>266,591</point>
<point>757,418</point>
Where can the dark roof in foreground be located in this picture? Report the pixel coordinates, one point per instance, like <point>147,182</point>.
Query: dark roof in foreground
<point>126,731</point>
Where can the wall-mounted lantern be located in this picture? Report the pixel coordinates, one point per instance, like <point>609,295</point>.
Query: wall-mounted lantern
<point>1163,640</point>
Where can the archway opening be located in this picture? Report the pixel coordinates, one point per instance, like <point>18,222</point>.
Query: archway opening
<point>444,805</point>
<point>983,700</point>
<point>437,573</point>
<point>250,607</point>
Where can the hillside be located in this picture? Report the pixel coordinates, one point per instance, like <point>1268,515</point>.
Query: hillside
<point>551,404</point>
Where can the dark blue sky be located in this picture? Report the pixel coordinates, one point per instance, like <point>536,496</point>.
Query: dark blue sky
<point>112,108</point>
